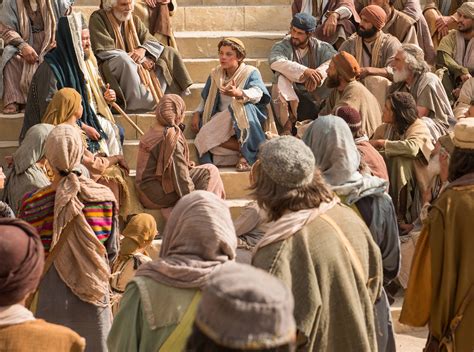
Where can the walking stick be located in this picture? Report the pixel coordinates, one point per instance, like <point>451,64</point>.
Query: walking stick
<point>124,114</point>
<point>119,109</point>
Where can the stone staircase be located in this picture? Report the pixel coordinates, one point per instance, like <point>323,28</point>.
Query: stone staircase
<point>199,25</point>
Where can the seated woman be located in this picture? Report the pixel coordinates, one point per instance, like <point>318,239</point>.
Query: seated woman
<point>27,170</point>
<point>406,143</point>
<point>66,107</point>
<point>336,155</point>
<point>158,308</point>
<point>229,121</point>
<point>78,224</point>
<point>137,237</point>
<point>164,171</point>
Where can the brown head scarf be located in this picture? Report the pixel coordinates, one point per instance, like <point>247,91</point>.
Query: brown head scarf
<point>170,110</point>
<point>138,234</point>
<point>22,258</point>
<point>198,238</point>
<point>375,15</point>
<point>81,263</point>
<point>64,104</point>
<point>347,66</point>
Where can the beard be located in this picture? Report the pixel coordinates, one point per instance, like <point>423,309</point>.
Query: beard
<point>122,16</point>
<point>299,44</point>
<point>332,81</point>
<point>400,75</point>
<point>369,33</point>
<point>466,29</point>
<point>87,53</point>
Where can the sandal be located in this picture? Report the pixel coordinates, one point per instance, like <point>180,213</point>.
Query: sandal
<point>11,109</point>
<point>243,165</point>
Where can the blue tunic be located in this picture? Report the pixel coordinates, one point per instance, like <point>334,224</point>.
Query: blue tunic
<point>256,113</point>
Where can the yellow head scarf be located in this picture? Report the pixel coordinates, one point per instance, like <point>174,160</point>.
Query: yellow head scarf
<point>65,103</point>
<point>138,234</point>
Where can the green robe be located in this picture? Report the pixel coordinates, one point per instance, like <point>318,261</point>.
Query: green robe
<point>333,305</point>
<point>144,324</point>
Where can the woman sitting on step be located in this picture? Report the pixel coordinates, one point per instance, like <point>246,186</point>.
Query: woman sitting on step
<point>158,307</point>
<point>164,171</point>
<point>230,119</point>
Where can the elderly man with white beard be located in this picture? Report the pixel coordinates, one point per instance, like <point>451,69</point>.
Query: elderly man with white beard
<point>125,49</point>
<point>412,73</point>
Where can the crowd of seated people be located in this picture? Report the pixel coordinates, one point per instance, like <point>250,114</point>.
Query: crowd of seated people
<point>364,140</point>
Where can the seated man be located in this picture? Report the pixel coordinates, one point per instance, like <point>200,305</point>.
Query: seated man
<point>231,119</point>
<point>28,33</point>
<point>374,51</point>
<point>441,16</point>
<point>413,72</point>
<point>59,70</point>
<point>299,62</point>
<point>336,19</point>
<point>156,16</point>
<point>130,57</point>
<point>398,24</point>
<point>455,53</point>
<point>342,74</point>
<point>412,8</point>
<point>466,97</point>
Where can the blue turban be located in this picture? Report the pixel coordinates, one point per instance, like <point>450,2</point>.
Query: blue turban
<point>304,21</point>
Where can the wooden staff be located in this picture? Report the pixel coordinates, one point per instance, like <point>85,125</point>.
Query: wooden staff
<point>148,78</point>
<point>119,109</point>
<point>124,114</point>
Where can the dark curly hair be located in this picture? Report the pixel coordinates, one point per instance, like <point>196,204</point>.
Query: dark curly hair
<point>404,109</point>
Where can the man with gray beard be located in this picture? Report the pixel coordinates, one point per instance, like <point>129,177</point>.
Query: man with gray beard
<point>412,73</point>
<point>125,49</point>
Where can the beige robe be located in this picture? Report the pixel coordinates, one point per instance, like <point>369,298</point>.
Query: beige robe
<point>360,98</point>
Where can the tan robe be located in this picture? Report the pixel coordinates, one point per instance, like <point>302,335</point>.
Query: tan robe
<point>360,98</point>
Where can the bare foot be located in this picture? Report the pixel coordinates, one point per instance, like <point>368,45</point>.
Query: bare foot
<point>12,108</point>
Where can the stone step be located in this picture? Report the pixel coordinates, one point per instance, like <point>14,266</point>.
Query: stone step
<point>183,3</point>
<point>203,44</point>
<point>235,206</point>
<point>11,125</point>
<point>199,69</point>
<point>236,183</point>
<point>224,18</point>
<point>130,152</point>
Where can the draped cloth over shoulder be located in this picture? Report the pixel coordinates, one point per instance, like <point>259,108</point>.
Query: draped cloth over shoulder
<point>81,263</point>
<point>219,81</point>
<point>198,238</point>
<point>14,15</point>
